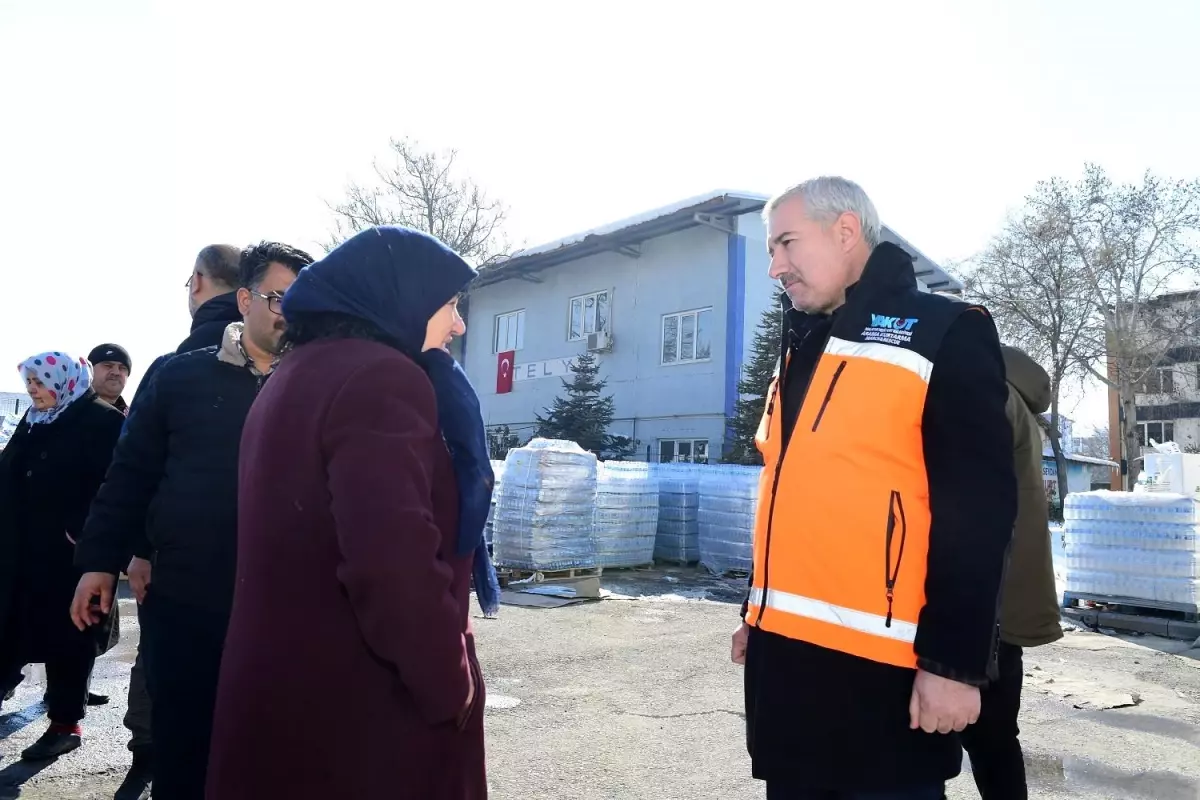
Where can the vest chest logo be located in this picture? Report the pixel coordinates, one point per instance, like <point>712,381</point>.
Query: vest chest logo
<point>890,330</point>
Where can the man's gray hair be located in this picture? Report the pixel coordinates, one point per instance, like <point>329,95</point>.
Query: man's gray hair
<point>828,197</point>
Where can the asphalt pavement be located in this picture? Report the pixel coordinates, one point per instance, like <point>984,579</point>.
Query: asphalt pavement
<point>633,698</point>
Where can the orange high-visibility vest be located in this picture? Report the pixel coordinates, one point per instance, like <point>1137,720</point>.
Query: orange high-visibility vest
<point>842,527</point>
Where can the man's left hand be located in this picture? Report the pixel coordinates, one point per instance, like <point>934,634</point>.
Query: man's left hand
<point>940,705</point>
<point>139,577</point>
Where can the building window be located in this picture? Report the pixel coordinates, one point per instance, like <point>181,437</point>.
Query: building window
<point>687,337</point>
<point>589,314</point>
<point>1157,380</point>
<point>1158,431</point>
<point>688,451</point>
<point>510,332</point>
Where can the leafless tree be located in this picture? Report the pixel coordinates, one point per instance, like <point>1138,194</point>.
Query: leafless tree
<point>1136,248</point>
<point>1031,281</point>
<point>1096,445</point>
<point>419,189</point>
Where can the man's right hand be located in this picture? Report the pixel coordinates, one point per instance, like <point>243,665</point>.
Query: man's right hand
<point>940,705</point>
<point>139,577</point>
<point>92,584</point>
<point>738,651</point>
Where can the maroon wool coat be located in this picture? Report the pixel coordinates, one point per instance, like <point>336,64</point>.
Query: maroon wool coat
<point>350,647</point>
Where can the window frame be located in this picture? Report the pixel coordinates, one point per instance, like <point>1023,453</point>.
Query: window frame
<point>584,332</point>
<point>1143,429</point>
<point>496,331</point>
<point>662,338</point>
<point>692,442</point>
<point>1164,380</point>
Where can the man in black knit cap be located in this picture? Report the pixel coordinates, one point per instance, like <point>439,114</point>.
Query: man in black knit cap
<point>110,372</point>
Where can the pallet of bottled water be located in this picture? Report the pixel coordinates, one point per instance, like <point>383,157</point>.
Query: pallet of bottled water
<point>677,539</point>
<point>544,509</point>
<point>626,514</point>
<point>1136,545</point>
<point>488,528</point>
<point>728,500</point>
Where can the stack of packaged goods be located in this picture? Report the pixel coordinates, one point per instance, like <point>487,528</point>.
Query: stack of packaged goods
<point>728,498</point>
<point>626,514</point>
<point>1133,545</point>
<point>488,533</point>
<point>544,508</point>
<point>678,537</point>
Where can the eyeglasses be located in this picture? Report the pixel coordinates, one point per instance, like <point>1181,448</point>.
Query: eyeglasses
<point>273,300</point>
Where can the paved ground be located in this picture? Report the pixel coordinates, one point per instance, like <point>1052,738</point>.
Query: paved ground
<point>633,699</point>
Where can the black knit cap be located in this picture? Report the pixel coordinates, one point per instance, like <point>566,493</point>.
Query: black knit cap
<point>110,352</point>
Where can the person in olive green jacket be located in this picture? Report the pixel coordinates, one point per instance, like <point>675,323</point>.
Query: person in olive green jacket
<point>1029,608</point>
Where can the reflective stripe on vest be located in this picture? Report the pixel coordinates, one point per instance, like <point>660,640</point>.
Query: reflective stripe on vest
<point>842,527</point>
<point>915,363</point>
<point>800,606</point>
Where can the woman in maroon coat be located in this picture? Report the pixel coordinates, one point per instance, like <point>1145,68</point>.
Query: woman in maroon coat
<point>349,668</point>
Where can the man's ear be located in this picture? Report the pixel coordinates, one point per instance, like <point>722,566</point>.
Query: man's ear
<point>849,229</point>
<point>243,300</point>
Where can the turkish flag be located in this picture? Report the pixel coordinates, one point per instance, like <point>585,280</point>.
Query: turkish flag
<point>504,372</point>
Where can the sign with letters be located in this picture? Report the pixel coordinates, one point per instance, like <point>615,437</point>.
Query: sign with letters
<point>536,370</point>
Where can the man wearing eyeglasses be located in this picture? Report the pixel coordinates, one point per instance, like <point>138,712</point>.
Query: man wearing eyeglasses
<point>174,475</point>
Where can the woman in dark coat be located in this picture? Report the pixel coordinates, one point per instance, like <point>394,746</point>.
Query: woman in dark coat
<point>364,487</point>
<point>49,473</point>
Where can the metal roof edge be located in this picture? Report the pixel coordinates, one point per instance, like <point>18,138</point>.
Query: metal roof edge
<point>638,219</point>
<point>561,250</point>
<point>1082,459</point>
<point>662,221</point>
<point>952,284</point>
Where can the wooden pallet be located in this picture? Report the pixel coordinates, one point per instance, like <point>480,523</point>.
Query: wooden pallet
<point>1188,612</point>
<point>512,575</point>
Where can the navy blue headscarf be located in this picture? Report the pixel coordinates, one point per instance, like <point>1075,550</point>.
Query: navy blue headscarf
<point>397,278</point>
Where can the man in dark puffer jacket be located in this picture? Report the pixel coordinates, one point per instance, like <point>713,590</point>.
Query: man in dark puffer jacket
<point>175,476</point>
<point>212,304</point>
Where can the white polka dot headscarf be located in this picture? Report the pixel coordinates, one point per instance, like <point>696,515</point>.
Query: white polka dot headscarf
<point>67,378</point>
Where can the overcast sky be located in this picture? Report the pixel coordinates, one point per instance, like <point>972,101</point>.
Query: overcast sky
<point>134,132</point>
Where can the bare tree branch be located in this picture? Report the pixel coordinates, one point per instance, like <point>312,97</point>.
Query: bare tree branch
<point>1123,247</point>
<point>1031,281</point>
<point>418,189</point>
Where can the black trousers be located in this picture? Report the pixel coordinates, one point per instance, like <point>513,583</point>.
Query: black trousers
<point>67,682</point>
<point>992,742</point>
<point>137,716</point>
<point>11,676</point>
<point>67,679</point>
<point>68,674</point>
<point>183,663</point>
<point>782,791</point>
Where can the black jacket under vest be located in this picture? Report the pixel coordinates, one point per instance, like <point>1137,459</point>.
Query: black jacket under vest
<point>823,719</point>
